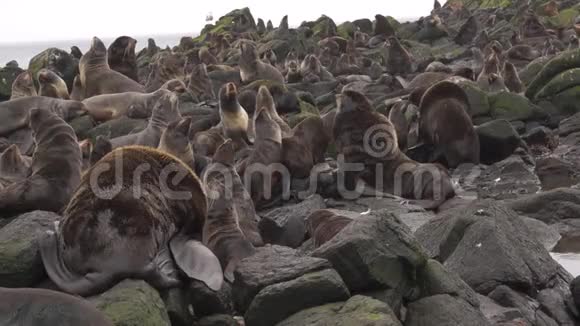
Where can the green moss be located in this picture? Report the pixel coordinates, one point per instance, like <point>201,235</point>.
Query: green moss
<point>568,101</point>
<point>561,82</point>
<point>562,62</point>
<point>512,107</point>
<point>306,110</point>
<point>565,18</point>
<point>394,23</point>
<point>346,30</point>
<point>533,69</point>
<point>374,317</point>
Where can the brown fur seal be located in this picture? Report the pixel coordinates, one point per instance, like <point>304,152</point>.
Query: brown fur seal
<point>437,66</point>
<point>403,115</point>
<point>167,66</point>
<point>176,86</point>
<point>175,141</point>
<point>121,56</point>
<point>511,78</point>
<point>270,57</point>
<point>234,119</point>
<point>78,92</point>
<point>264,99</point>
<point>199,84</point>
<point>51,85</point>
<point>55,168</point>
<point>14,114</point>
<point>23,86</point>
<point>574,43</point>
<point>101,148</point>
<point>305,148</point>
<point>293,74</point>
<point>131,104</point>
<point>312,70</point>
<point>446,124</point>
<point>468,31</point>
<point>98,78</point>
<point>323,225</point>
<point>206,57</point>
<point>231,229</point>
<point>491,66</point>
<point>14,166</point>
<point>207,142</point>
<point>40,307</point>
<point>368,139</point>
<point>130,210</point>
<point>398,61</point>
<point>165,111</point>
<point>75,52</point>
<point>252,68</point>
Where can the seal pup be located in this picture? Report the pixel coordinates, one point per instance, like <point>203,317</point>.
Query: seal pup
<point>121,56</point>
<point>23,86</point>
<point>270,57</point>
<point>293,74</point>
<point>165,111</point>
<point>511,78</point>
<point>207,142</point>
<point>40,307</point>
<point>234,119</point>
<point>437,66</point>
<point>78,92</point>
<point>135,212</point>
<point>252,68</point>
<point>51,85</point>
<point>98,78</point>
<point>55,169</point>
<point>445,104</point>
<point>100,148</point>
<point>199,84</point>
<point>490,66</point>
<point>131,104</point>
<point>175,141</point>
<point>231,229</point>
<point>264,99</point>
<point>14,114</point>
<point>323,225</point>
<point>398,61</point>
<point>574,43</point>
<point>305,148</point>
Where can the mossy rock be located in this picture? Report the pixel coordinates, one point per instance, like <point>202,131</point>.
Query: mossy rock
<point>562,62</point>
<point>475,4</point>
<point>133,303</point>
<point>117,128</point>
<point>394,23</point>
<point>565,18</point>
<point>533,69</point>
<point>560,83</point>
<point>7,77</point>
<point>20,261</point>
<point>478,100</point>
<point>82,126</point>
<point>568,101</point>
<point>365,25</point>
<point>419,51</point>
<point>346,30</point>
<point>56,60</point>
<point>324,27</point>
<point>239,21</point>
<point>358,310</point>
<point>512,106</point>
<point>306,110</point>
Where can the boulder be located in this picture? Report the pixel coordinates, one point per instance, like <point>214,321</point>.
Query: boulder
<point>434,279</point>
<point>569,125</point>
<point>497,314</point>
<point>512,106</point>
<point>82,126</point>
<point>285,225</point>
<point>567,101</point>
<point>20,261</point>
<point>478,100</point>
<point>218,320</point>
<point>7,76</point>
<point>278,301</point>
<point>529,308</point>
<point>541,140</point>
<point>206,302</point>
<point>270,265</point>
<point>547,235</point>
<point>507,179</point>
<point>488,245</point>
<point>443,310</point>
<point>57,60</point>
<point>549,207</point>
<point>555,173</point>
<point>533,69</point>
<point>132,303</point>
<point>567,79</point>
<point>178,306</point>
<point>575,289</point>
<point>376,251</point>
<point>560,63</point>
<point>358,310</point>
<point>553,304</point>
<point>497,140</point>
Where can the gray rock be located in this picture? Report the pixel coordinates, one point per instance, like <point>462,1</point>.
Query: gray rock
<point>268,266</point>
<point>278,301</point>
<point>550,206</point>
<point>376,250</point>
<point>58,61</point>
<point>507,179</point>
<point>553,304</point>
<point>509,298</point>
<point>569,125</point>
<point>217,320</point>
<point>443,310</point>
<point>358,310</point>
<point>389,296</point>
<point>556,173</point>
<point>434,279</point>
<point>178,307</point>
<point>285,225</point>
<point>117,128</point>
<point>133,303</point>
<point>575,289</point>
<point>547,235</point>
<point>488,245</point>
<point>20,262</point>
<point>207,302</point>
<point>497,140</point>
<point>496,313</point>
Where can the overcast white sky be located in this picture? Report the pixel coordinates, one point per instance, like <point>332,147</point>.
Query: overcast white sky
<point>43,20</point>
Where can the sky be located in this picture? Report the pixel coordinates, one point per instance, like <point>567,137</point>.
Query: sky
<point>27,21</point>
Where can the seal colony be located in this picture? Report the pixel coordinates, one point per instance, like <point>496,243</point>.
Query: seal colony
<point>195,167</point>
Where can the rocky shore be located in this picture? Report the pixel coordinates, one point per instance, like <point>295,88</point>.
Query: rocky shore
<point>481,257</point>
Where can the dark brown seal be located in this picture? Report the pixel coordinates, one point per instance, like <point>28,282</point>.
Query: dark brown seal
<point>121,56</point>
<point>51,85</point>
<point>305,148</point>
<point>511,78</point>
<point>206,57</point>
<point>135,212</point>
<point>323,225</point>
<point>166,66</point>
<point>252,68</point>
<point>312,70</point>
<point>98,78</point>
<point>55,168</point>
<point>23,86</point>
<point>40,307</point>
<point>446,124</point>
<point>398,61</point>
<point>200,85</point>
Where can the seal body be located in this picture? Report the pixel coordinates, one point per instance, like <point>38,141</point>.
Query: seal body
<point>234,119</point>
<point>14,166</point>
<point>23,86</point>
<point>175,141</point>
<point>322,225</point>
<point>121,56</point>
<point>252,68</point>
<point>131,104</point>
<point>199,84</point>
<point>305,148</point>
<point>130,208</point>
<point>51,85</point>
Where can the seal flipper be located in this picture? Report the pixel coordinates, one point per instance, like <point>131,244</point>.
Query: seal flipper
<point>197,261</point>
<point>162,272</point>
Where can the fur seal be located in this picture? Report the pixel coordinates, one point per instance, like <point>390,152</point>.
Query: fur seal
<point>264,99</point>
<point>398,61</point>
<point>437,66</point>
<point>293,74</point>
<point>305,148</point>
<point>574,43</point>
<point>206,57</point>
<point>78,92</point>
<point>199,84</point>
<point>363,136</point>
<point>175,141</point>
<point>511,78</point>
<point>231,228</point>
<point>165,111</point>
<point>445,104</point>
<point>176,86</point>
<point>167,66</point>
<point>55,167</point>
<point>51,85</point>
<point>40,307</point>
<point>14,114</point>
<point>207,142</point>
<point>130,210</point>
<point>121,56</point>
<point>404,116</point>
<point>100,148</point>
<point>270,57</point>
<point>234,119</point>
<point>252,68</point>
<point>75,52</point>
<point>98,78</point>
<point>522,52</point>
<point>23,86</point>
<point>490,66</point>
<point>322,225</point>
<point>131,104</point>
<point>312,70</point>
<point>14,166</point>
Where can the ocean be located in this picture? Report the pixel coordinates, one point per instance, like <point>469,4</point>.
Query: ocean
<point>23,52</point>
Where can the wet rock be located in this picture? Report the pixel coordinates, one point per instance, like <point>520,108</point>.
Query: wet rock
<point>556,173</point>
<point>278,301</point>
<point>569,125</point>
<point>20,261</point>
<point>541,140</point>
<point>507,179</point>
<point>443,310</point>
<point>497,314</point>
<point>509,298</point>
<point>58,61</point>
<point>207,302</point>
<point>178,308</point>
<point>547,235</point>
<point>358,310</point>
<point>488,245</point>
<point>285,225</point>
<point>497,140</point>
<point>117,128</point>
<point>375,250</point>
<point>270,265</point>
<point>575,289</point>
<point>217,320</point>
<point>132,303</point>
<point>550,206</point>
<point>7,76</point>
